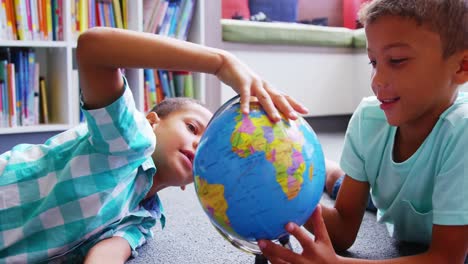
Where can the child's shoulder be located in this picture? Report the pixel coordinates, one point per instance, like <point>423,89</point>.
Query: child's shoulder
<point>457,114</point>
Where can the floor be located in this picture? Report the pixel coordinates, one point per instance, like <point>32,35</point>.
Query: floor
<point>189,237</point>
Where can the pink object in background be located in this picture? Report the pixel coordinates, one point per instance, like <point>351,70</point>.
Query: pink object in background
<point>350,11</point>
<point>330,9</point>
<point>235,9</point>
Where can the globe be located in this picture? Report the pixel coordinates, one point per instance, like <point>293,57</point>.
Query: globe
<point>252,176</point>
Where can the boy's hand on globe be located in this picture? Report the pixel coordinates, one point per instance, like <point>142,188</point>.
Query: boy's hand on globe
<point>247,83</point>
<point>319,250</point>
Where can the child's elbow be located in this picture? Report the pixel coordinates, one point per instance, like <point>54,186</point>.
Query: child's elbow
<point>87,43</point>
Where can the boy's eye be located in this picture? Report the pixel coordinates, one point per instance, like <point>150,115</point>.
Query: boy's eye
<point>373,63</point>
<point>398,61</point>
<point>192,128</point>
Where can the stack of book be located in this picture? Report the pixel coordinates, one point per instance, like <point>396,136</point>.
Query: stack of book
<point>31,20</point>
<point>97,13</point>
<point>170,18</point>
<point>23,95</point>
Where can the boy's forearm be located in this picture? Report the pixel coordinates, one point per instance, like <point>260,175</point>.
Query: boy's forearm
<point>117,48</point>
<point>341,238</point>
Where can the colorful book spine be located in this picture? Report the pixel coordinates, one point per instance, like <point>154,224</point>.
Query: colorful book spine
<point>59,14</point>
<point>35,109</point>
<point>2,120</point>
<point>36,32</point>
<point>164,83</point>
<point>117,13</point>
<point>29,99</point>
<point>124,13</point>
<point>11,20</point>
<point>29,23</point>
<point>92,13</point>
<point>4,94</point>
<point>83,15</point>
<point>44,111</point>
<point>111,15</point>
<point>11,89</point>
<point>20,20</point>
<point>174,19</point>
<point>186,20</point>
<point>48,9</point>
<point>159,91</point>
<point>149,75</point>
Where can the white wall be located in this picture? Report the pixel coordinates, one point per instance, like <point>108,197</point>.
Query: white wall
<point>329,81</point>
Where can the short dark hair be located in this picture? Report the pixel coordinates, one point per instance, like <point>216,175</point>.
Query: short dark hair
<point>172,104</point>
<point>448,18</point>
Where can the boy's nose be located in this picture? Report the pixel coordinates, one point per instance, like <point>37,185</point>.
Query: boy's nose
<point>378,80</point>
<point>195,143</point>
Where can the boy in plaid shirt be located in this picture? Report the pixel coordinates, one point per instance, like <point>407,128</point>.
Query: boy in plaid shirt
<point>91,192</point>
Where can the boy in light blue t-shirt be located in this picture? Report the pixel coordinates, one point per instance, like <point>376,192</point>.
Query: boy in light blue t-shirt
<point>91,192</point>
<point>407,146</point>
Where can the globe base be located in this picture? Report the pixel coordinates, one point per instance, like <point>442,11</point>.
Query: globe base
<point>252,247</point>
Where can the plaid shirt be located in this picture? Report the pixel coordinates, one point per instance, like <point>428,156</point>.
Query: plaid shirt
<point>86,184</point>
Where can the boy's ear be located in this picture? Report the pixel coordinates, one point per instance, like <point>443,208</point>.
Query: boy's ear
<point>461,75</point>
<point>153,118</point>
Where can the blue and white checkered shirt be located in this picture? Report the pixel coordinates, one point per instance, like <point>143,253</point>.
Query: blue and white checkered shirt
<point>86,184</point>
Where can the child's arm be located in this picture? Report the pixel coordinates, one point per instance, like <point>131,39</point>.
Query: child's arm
<point>102,51</point>
<point>344,219</point>
<point>111,250</point>
<point>337,227</point>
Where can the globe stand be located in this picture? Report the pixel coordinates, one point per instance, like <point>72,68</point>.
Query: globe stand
<point>252,247</point>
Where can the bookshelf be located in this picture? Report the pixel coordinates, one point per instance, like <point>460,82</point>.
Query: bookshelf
<point>58,66</point>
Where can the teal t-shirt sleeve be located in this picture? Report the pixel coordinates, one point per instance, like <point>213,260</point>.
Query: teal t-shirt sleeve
<point>450,196</point>
<point>352,161</point>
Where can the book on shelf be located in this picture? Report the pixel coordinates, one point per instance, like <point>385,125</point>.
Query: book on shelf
<point>11,90</point>
<point>170,18</point>
<point>19,74</point>
<point>43,105</point>
<point>31,20</point>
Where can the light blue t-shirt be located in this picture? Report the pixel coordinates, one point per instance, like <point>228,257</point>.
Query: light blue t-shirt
<point>431,187</point>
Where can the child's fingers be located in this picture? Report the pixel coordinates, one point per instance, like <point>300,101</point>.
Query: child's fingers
<point>300,235</point>
<point>296,105</point>
<point>245,99</point>
<point>276,253</point>
<point>280,101</point>
<point>266,101</point>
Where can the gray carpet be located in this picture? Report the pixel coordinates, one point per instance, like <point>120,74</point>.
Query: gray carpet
<point>189,237</point>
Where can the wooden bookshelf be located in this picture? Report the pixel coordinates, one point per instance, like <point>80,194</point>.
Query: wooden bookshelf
<point>58,65</point>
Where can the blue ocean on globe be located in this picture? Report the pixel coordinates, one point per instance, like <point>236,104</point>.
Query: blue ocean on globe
<point>253,176</point>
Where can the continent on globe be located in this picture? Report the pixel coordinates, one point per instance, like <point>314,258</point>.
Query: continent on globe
<point>283,150</point>
<point>212,196</point>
